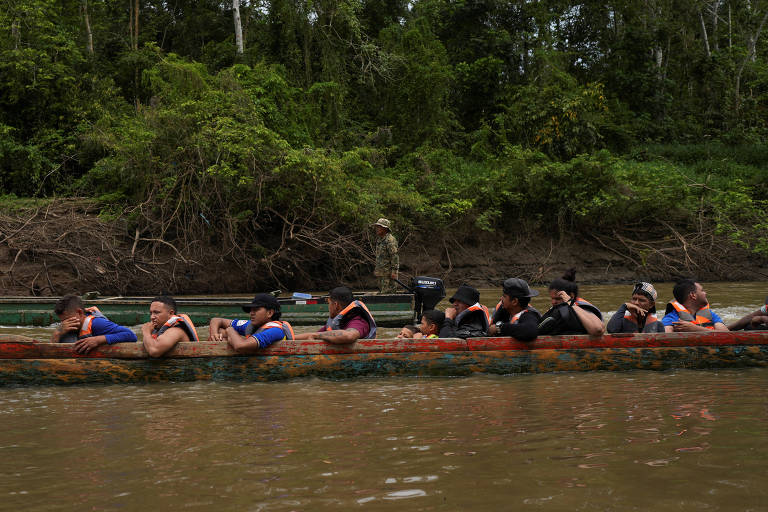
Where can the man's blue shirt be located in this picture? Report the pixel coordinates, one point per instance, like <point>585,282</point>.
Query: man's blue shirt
<point>114,333</point>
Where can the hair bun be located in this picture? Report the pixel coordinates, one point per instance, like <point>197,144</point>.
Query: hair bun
<point>570,275</point>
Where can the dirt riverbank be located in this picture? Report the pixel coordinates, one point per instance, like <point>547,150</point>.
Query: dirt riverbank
<point>538,260</point>
<point>61,249</point>
<point>596,259</point>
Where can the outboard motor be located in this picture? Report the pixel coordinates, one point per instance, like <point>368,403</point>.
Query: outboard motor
<point>427,292</point>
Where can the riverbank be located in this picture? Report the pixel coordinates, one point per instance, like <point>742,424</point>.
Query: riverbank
<point>63,246</point>
<point>597,260</point>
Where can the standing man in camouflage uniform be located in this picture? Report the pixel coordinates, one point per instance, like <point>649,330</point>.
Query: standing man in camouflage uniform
<point>387,261</point>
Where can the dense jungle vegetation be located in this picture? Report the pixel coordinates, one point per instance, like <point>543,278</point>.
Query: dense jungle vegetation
<point>268,134</point>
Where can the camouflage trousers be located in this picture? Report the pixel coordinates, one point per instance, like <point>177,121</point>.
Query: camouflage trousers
<point>387,285</point>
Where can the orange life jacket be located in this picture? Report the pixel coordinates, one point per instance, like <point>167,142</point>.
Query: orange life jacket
<point>703,316</point>
<point>649,326</point>
<point>285,326</point>
<point>178,320</point>
<point>515,318</point>
<point>589,307</point>
<point>486,316</point>
<point>356,306</point>
<point>649,319</point>
<point>86,330</point>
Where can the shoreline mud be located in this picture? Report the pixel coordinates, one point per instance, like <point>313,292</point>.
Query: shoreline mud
<point>484,263</point>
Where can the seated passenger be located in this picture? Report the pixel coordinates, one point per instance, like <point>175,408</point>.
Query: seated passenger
<point>690,312</point>
<point>466,318</point>
<point>433,325</point>
<point>262,329</point>
<point>348,320</point>
<point>166,327</point>
<point>408,331</point>
<point>87,328</point>
<point>755,321</point>
<point>514,316</point>
<point>637,315</point>
<point>570,314</point>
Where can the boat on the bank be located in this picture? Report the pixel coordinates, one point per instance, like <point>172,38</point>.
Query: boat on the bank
<point>389,310</point>
<point>32,363</point>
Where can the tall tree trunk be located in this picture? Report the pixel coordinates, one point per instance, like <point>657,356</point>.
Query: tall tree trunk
<point>704,34</point>
<point>88,32</point>
<point>238,26</point>
<point>130,23</point>
<point>749,57</point>
<point>15,33</point>
<point>136,25</point>
<point>730,29</point>
<point>715,18</point>
<point>307,56</point>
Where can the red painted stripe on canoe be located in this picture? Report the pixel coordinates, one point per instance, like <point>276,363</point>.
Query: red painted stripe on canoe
<point>715,338</point>
<point>12,349</point>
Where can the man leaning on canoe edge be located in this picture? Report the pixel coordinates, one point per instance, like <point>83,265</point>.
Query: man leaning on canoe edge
<point>349,319</point>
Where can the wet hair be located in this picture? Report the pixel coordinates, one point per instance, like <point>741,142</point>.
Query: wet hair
<point>167,300</point>
<point>68,303</point>
<point>435,317</point>
<point>683,288</point>
<point>567,283</point>
<point>342,295</point>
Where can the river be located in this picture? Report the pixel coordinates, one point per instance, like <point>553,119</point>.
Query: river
<point>641,440</point>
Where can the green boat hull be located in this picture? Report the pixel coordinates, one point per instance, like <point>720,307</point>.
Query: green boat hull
<point>388,310</point>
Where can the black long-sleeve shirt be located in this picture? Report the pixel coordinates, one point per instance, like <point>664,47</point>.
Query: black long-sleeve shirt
<point>525,329</point>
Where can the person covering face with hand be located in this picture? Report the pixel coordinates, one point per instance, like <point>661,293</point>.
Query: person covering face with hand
<point>639,314</point>
<point>87,328</point>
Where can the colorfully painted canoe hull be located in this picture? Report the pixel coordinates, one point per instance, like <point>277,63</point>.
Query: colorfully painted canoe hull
<point>388,310</point>
<point>31,363</point>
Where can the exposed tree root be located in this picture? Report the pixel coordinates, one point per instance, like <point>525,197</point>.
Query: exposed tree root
<point>65,246</point>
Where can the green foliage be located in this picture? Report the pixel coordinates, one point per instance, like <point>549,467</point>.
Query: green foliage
<point>459,116</point>
<point>555,115</point>
<point>9,203</point>
<point>415,102</point>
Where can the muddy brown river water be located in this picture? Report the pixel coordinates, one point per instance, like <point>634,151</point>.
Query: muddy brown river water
<point>642,440</point>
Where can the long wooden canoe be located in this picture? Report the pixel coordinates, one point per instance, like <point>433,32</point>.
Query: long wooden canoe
<point>33,363</point>
<point>389,310</point>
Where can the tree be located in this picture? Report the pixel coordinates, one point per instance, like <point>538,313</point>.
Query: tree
<point>238,26</point>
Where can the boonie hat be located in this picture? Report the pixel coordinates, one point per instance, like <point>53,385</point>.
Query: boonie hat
<point>265,300</point>
<point>646,289</point>
<point>516,287</point>
<point>465,294</point>
<point>382,222</point>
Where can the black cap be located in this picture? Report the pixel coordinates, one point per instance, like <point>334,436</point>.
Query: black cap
<point>466,294</point>
<point>266,300</point>
<point>516,287</point>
